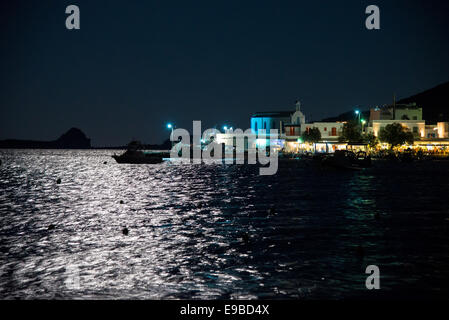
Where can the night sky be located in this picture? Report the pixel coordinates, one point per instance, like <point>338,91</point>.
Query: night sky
<point>136,65</point>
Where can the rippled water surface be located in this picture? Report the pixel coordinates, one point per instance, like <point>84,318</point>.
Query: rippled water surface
<point>214,231</point>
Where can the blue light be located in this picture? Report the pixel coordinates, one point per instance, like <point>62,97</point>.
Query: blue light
<point>169,126</point>
<point>225,128</point>
<point>357,111</point>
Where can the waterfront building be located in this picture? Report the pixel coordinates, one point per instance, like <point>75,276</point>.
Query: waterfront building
<point>292,124</point>
<point>397,112</point>
<point>286,122</point>
<point>431,132</point>
<point>436,138</point>
<point>330,133</point>
<point>417,127</point>
<point>410,117</point>
<point>443,130</point>
<point>428,137</point>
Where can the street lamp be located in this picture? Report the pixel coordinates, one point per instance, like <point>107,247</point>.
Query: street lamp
<point>363,121</point>
<point>225,128</point>
<point>357,112</point>
<point>170,126</point>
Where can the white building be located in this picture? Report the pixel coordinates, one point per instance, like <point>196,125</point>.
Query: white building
<point>290,125</point>
<point>397,112</point>
<point>417,127</point>
<point>328,130</point>
<point>443,130</point>
<point>280,120</point>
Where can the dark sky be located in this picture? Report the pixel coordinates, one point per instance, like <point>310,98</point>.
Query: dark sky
<point>135,65</point>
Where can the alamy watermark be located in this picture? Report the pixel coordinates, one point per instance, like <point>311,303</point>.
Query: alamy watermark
<point>73,20</point>
<point>245,146</point>
<point>372,22</point>
<point>373,280</point>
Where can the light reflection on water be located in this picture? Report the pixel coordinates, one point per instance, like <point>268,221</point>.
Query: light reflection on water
<point>206,231</point>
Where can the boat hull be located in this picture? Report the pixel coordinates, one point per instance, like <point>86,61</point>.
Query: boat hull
<point>153,159</point>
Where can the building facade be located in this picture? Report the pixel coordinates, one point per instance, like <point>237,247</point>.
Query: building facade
<point>292,124</point>
<point>286,122</point>
<point>417,127</point>
<point>397,112</point>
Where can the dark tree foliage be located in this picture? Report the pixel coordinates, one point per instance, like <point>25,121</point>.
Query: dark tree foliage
<point>395,134</point>
<point>351,133</point>
<point>312,135</point>
<point>370,139</point>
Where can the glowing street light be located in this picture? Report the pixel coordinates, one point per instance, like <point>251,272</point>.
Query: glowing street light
<point>170,126</point>
<point>225,128</point>
<point>357,112</point>
<point>363,121</point>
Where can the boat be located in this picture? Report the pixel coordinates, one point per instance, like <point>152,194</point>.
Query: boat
<point>348,160</point>
<point>135,155</point>
<point>138,157</point>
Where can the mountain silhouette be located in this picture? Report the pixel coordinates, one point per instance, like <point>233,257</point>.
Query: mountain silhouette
<point>434,103</point>
<point>72,139</point>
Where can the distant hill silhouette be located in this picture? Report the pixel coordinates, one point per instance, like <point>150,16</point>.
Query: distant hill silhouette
<point>435,104</point>
<point>72,139</point>
<point>350,115</point>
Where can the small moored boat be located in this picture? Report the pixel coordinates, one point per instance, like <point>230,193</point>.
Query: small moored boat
<point>136,155</point>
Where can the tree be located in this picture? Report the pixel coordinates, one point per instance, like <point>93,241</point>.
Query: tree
<point>409,137</point>
<point>312,135</point>
<point>370,139</point>
<point>395,134</point>
<point>351,133</point>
